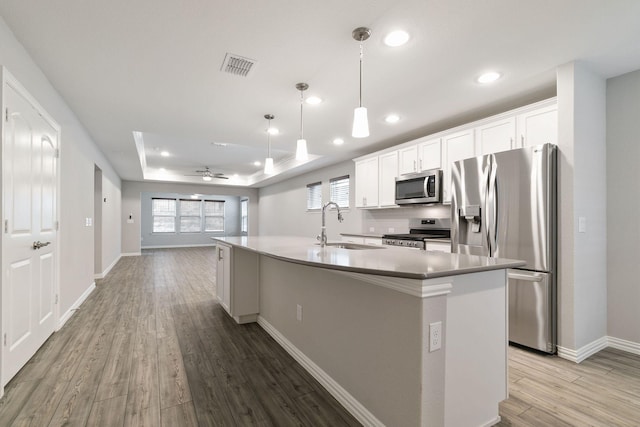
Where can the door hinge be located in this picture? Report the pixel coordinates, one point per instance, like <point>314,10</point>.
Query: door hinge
<point>6,114</point>
<point>6,225</point>
<point>57,153</point>
<point>57,225</point>
<point>56,299</point>
<point>5,339</point>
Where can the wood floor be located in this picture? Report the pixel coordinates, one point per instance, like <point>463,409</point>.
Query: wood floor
<point>151,347</point>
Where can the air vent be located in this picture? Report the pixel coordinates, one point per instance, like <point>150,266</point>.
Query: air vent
<point>238,65</point>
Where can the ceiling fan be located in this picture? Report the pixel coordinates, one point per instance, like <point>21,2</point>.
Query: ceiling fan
<point>208,175</point>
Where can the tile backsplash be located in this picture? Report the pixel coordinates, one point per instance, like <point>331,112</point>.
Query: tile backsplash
<point>396,220</point>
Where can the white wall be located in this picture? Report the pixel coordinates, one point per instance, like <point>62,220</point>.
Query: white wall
<point>131,205</point>
<point>623,201</point>
<point>283,206</point>
<point>78,154</point>
<point>111,224</point>
<point>582,286</point>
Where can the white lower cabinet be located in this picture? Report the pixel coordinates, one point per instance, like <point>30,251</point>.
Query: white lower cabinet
<point>438,247</point>
<point>237,282</point>
<point>376,241</point>
<point>352,239</point>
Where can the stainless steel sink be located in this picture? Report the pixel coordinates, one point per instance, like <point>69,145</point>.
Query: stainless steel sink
<point>352,246</point>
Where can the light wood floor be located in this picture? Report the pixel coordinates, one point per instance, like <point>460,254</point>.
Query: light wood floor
<point>151,347</point>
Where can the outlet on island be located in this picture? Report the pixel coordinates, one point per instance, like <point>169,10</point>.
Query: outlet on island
<point>299,312</point>
<point>435,336</point>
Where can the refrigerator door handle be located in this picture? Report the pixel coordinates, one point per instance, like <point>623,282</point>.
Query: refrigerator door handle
<point>492,209</point>
<point>526,277</point>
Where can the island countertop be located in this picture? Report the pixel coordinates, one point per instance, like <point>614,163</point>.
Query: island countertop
<point>382,261</point>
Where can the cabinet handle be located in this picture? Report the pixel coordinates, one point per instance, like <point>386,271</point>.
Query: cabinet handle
<point>420,164</point>
<point>414,166</point>
<point>522,140</point>
<point>220,254</point>
<point>511,142</point>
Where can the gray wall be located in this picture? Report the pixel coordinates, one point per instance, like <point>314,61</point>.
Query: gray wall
<point>283,206</point>
<point>150,239</point>
<point>78,155</point>
<point>131,205</point>
<point>582,286</point>
<point>623,201</point>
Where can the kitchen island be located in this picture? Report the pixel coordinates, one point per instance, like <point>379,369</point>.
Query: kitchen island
<point>400,337</point>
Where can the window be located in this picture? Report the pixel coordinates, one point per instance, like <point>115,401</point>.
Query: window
<point>214,215</point>
<point>190,216</point>
<point>244,216</point>
<point>314,196</point>
<point>164,215</point>
<point>339,190</point>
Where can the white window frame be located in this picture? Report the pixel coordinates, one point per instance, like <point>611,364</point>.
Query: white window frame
<point>244,216</point>
<point>314,196</point>
<point>154,215</point>
<point>339,191</point>
<point>214,216</point>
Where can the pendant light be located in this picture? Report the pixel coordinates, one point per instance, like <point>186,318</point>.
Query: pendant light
<point>301,146</point>
<point>360,120</point>
<point>268,163</point>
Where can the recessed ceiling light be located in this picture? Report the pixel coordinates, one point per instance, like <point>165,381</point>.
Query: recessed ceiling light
<point>338,141</point>
<point>257,163</point>
<point>219,144</point>
<point>165,154</point>
<point>313,100</point>
<point>396,38</point>
<point>489,77</point>
<point>235,175</point>
<point>273,131</point>
<point>392,118</point>
<point>163,170</point>
<point>194,196</point>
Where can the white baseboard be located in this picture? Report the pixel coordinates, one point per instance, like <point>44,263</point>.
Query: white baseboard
<point>620,344</point>
<point>356,409</point>
<point>178,246</point>
<point>131,254</point>
<point>66,316</point>
<point>108,269</point>
<point>593,347</point>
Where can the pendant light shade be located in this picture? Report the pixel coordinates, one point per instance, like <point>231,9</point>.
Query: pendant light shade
<point>268,162</point>
<point>360,120</point>
<point>301,146</point>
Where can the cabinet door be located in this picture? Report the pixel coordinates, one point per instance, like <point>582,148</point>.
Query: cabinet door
<point>430,155</point>
<point>367,183</point>
<point>496,136</point>
<point>457,146</point>
<point>408,160</point>
<point>223,276</point>
<point>373,241</point>
<point>387,182</point>
<point>539,126</point>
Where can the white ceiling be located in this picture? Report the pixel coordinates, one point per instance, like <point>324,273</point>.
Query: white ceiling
<point>153,66</point>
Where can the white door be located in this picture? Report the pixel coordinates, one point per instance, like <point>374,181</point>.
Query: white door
<point>29,179</point>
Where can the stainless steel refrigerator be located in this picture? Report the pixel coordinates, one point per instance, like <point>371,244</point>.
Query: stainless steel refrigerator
<point>503,205</point>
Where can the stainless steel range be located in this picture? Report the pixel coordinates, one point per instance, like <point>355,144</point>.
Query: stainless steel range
<point>421,230</point>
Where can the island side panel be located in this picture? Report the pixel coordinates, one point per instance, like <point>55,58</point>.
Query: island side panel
<point>367,338</point>
<point>476,339</point>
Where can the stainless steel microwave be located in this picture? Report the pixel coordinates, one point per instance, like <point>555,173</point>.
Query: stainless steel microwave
<point>420,188</point>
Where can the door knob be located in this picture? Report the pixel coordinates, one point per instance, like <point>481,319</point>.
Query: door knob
<point>39,244</point>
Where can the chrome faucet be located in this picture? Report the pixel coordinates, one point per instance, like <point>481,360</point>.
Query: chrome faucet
<point>322,237</point>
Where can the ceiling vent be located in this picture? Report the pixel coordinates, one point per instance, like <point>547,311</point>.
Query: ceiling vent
<point>237,65</point>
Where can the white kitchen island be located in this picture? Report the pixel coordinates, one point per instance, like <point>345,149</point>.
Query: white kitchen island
<point>359,321</point>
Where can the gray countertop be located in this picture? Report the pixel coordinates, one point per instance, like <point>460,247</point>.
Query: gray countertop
<point>382,261</point>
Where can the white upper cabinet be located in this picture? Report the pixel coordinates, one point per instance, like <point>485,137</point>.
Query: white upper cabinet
<point>367,182</point>
<point>430,154</point>
<point>388,171</point>
<point>408,160</point>
<point>539,126</point>
<point>457,146</point>
<point>496,136</point>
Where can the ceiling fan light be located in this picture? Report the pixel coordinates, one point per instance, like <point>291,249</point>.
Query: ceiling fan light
<point>301,150</point>
<point>268,166</point>
<point>206,178</point>
<point>360,123</point>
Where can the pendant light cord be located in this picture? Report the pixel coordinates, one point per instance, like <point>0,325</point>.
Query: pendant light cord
<point>269,139</point>
<point>361,55</point>
<point>301,121</point>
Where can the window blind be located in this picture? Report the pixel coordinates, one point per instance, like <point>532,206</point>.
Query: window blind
<point>190,216</point>
<point>339,190</point>
<point>214,215</point>
<point>314,196</point>
<point>163,212</point>
<point>244,216</point>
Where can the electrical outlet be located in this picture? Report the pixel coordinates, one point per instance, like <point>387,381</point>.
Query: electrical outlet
<point>372,229</point>
<point>392,230</point>
<point>435,336</point>
<point>299,313</point>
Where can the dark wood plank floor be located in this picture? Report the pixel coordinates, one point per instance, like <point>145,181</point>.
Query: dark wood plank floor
<point>151,347</point>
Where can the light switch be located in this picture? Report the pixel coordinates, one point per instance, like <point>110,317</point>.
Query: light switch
<point>582,224</point>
